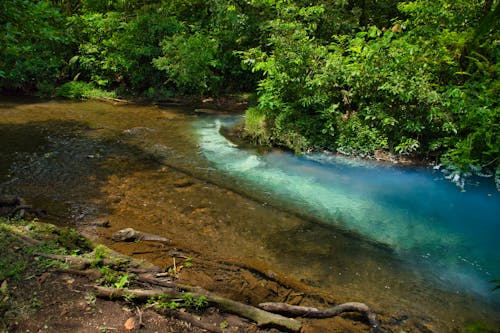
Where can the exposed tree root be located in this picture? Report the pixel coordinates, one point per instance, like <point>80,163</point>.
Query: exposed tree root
<point>82,263</point>
<point>261,317</point>
<point>118,261</point>
<point>269,314</point>
<point>304,311</point>
<point>187,317</point>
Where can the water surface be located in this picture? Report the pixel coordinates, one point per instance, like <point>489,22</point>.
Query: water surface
<point>395,238</point>
<point>416,212</point>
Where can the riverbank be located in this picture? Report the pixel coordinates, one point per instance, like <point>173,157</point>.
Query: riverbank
<point>53,279</point>
<point>40,294</point>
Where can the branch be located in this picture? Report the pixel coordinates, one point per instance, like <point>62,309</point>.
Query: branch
<point>304,311</point>
<point>82,263</point>
<point>261,317</point>
<point>114,259</point>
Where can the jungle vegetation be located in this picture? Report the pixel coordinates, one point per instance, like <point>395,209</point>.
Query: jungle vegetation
<point>416,78</point>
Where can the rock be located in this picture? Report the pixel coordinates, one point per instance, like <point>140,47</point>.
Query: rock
<point>130,324</point>
<point>132,235</point>
<point>127,235</point>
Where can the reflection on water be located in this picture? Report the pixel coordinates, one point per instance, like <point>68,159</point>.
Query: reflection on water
<point>145,167</point>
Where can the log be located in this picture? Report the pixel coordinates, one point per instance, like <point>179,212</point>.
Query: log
<point>304,311</point>
<point>261,317</point>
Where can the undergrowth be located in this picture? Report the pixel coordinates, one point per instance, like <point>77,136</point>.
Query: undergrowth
<point>19,243</point>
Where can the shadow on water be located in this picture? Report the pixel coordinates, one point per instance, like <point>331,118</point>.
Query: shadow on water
<point>17,139</point>
<point>57,166</point>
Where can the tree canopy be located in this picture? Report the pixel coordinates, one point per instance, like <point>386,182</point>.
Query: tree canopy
<point>415,77</point>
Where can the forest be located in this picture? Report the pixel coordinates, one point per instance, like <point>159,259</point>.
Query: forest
<point>411,78</point>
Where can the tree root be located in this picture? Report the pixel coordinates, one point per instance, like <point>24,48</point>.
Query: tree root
<point>187,317</point>
<point>82,263</point>
<point>303,311</point>
<point>261,317</point>
<point>268,315</point>
<point>119,261</point>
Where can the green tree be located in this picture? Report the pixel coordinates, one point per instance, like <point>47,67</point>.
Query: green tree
<point>34,44</point>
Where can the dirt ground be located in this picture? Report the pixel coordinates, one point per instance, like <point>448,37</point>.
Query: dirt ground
<point>40,295</point>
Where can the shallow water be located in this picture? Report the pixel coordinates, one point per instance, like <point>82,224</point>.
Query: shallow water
<point>356,230</point>
<point>416,212</point>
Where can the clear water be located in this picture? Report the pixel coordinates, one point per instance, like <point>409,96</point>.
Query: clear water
<point>424,218</point>
<point>80,161</point>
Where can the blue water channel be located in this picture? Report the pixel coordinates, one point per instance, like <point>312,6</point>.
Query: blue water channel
<point>423,217</point>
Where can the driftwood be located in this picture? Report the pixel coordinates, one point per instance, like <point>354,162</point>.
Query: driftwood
<point>304,311</point>
<point>261,317</point>
<point>132,235</point>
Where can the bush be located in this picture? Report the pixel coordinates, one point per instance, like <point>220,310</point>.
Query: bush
<point>81,90</point>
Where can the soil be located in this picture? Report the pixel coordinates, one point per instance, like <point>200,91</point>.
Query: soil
<point>40,296</point>
<point>59,302</point>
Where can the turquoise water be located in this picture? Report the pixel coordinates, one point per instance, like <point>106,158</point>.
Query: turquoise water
<point>424,218</point>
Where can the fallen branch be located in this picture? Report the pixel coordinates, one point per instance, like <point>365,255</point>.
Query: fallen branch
<point>261,317</point>
<point>304,311</point>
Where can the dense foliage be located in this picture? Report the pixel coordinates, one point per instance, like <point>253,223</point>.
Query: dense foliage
<point>417,78</point>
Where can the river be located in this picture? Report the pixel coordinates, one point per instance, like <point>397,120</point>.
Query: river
<point>405,240</point>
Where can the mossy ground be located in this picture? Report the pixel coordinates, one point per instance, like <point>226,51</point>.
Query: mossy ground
<point>39,295</point>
